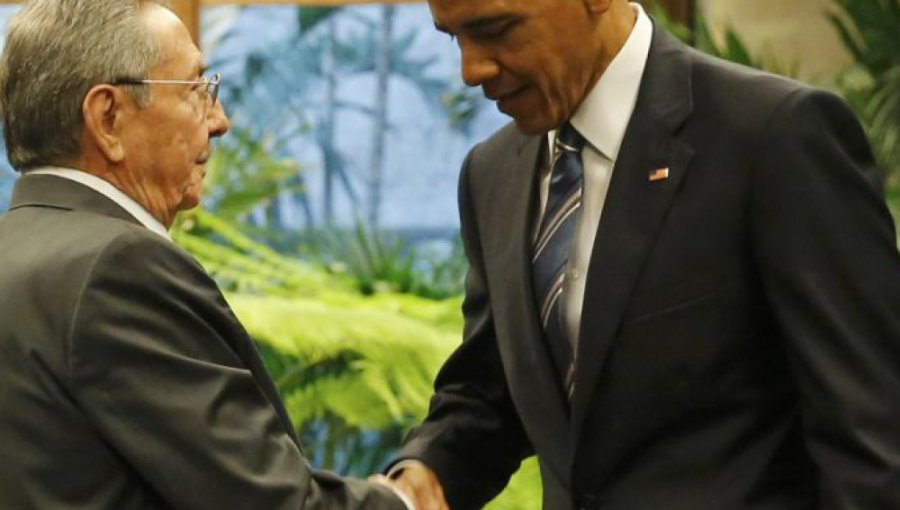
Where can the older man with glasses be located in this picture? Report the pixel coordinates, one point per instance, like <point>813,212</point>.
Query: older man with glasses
<point>125,379</point>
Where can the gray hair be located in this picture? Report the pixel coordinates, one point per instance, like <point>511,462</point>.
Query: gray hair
<point>56,51</point>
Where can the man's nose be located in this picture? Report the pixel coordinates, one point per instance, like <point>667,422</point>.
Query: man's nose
<point>217,120</point>
<point>477,65</point>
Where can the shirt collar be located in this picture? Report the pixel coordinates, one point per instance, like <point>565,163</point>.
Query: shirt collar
<point>603,116</point>
<point>109,191</point>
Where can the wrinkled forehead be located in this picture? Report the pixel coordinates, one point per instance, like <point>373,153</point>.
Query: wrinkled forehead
<point>450,12</point>
<point>452,15</point>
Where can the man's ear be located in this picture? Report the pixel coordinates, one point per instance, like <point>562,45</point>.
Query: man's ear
<point>597,7</point>
<point>104,109</point>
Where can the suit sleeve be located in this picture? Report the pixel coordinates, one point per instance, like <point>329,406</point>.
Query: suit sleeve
<point>828,257</point>
<point>154,362</point>
<point>472,437</point>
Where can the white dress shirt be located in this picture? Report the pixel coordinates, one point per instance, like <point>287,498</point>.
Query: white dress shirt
<point>602,119</point>
<point>109,191</point>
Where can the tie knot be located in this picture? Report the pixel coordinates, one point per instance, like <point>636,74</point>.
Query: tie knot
<point>569,139</point>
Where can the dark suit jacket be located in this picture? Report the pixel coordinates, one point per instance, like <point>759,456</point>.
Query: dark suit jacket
<point>740,340</point>
<point>125,380</point>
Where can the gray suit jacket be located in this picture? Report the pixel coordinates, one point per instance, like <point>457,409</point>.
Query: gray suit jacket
<point>740,339</point>
<point>126,381</point>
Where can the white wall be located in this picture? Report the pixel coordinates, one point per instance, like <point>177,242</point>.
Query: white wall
<point>795,33</point>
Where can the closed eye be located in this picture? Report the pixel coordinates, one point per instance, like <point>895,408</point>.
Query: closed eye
<point>494,29</point>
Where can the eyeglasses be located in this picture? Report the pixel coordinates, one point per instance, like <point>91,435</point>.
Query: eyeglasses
<point>211,84</point>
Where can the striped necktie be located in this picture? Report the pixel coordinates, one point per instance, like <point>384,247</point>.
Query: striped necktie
<point>554,242</point>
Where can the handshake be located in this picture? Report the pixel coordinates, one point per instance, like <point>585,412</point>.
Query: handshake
<point>416,484</point>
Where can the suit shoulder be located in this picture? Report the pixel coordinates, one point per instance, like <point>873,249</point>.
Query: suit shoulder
<point>745,99</point>
<point>52,256</point>
<point>727,82</point>
<point>147,256</point>
<point>61,242</point>
<point>124,245</point>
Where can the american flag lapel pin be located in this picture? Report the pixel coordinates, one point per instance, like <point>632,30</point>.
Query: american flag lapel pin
<point>660,174</point>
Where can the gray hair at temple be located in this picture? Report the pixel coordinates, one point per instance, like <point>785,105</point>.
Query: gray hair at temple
<point>55,52</point>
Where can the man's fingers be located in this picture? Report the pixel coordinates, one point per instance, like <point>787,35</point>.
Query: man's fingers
<point>421,482</point>
<point>407,498</point>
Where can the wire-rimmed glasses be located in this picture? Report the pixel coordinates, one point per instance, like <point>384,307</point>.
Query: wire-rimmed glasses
<point>211,84</point>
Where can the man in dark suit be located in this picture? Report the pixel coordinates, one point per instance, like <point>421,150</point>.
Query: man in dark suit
<point>722,328</point>
<point>126,382</point>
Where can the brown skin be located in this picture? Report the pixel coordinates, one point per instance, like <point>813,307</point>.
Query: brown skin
<point>537,58</point>
<point>155,155</point>
<point>420,484</point>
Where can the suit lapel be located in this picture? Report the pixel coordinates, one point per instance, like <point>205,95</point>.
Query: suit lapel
<point>529,371</point>
<point>636,204</point>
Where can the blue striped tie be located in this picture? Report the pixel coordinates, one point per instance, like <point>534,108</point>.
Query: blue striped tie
<point>554,242</point>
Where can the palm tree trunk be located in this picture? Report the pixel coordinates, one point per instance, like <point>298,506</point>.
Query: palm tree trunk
<point>327,138</point>
<point>379,132</point>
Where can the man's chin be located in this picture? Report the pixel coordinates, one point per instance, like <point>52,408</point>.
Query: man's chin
<point>190,199</point>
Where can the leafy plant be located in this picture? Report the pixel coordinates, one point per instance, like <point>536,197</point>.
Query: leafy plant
<point>380,261</point>
<point>524,490</point>
<point>242,264</point>
<point>661,15</point>
<point>870,30</point>
<point>732,48</point>
<point>441,276</point>
<point>374,260</point>
<point>242,174</point>
<point>354,376</point>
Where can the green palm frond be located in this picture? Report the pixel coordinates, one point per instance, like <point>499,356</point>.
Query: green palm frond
<point>523,491</point>
<point>732,48</point>
<point>243,174</point>
<point>883,114</point>
<point>383,363</point>
<point>444,314</point>
<point>240,263</point>
<point>870,30</point>
<point>661,15</point>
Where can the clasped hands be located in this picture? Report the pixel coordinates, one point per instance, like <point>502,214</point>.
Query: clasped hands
<point>417,482</point>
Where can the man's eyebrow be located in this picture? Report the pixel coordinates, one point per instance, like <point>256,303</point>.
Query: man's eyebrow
<point>478,23</point>
<point>198,66</point>
<point>488,21</point>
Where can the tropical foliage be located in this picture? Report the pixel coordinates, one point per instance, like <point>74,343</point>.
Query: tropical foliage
<point>870,30</point>
<point>287,94</point>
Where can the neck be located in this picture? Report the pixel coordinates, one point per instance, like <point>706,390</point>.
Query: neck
<point>126,182</point>
<point>613,29</point>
